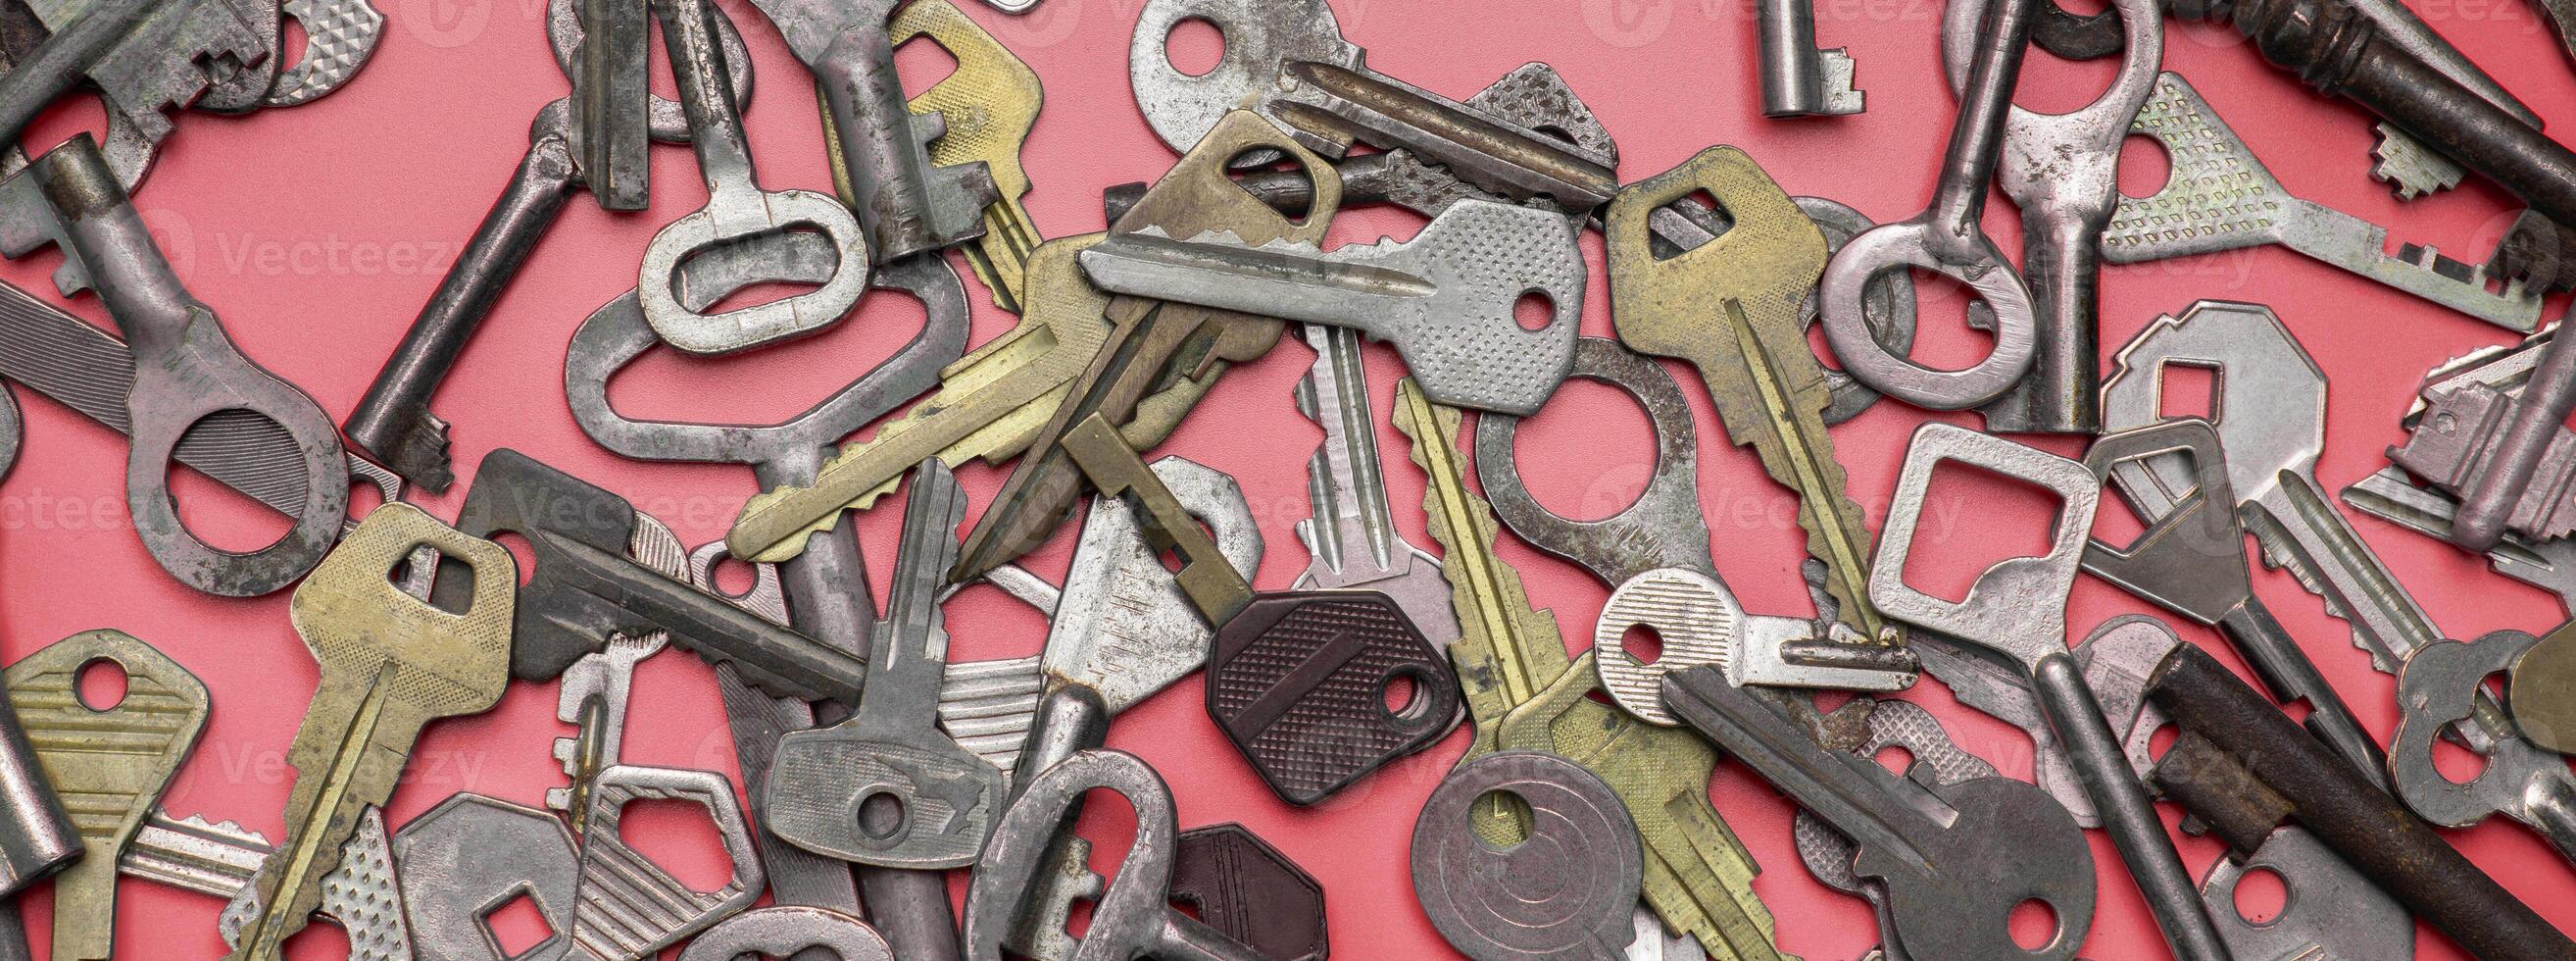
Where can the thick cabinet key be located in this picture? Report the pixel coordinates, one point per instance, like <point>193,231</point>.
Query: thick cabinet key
<point>1799,80</point>
<point>907,205</point>
<point>1299,680</point>
<point>1739,325</point>
<point>145,56</point>
<point>611,88</point>
<point>390,665</point>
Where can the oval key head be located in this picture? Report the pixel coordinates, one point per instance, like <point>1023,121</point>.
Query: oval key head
<point>1318,688</point>
<point>1567,889</point>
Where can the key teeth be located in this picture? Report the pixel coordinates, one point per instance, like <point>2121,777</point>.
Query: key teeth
<point>1837,70</point>
<point>2409,168</point>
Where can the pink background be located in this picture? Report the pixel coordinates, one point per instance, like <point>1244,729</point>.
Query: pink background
<point>317,232</point>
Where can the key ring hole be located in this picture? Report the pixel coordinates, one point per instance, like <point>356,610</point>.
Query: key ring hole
<point>216,515</point>
<point>1534,311</point>
<point>2035,925</point>
<point>1195,46</point>
<point>100,684</point>
<point>1612,429</point>
<point>2262,896</point>
<point>1642,644</point>
<point>881,815</point>
<point>1502,819</point>
<point>1406,696</point>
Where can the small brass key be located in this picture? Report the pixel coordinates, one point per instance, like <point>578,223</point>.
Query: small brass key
<point>390,665</point>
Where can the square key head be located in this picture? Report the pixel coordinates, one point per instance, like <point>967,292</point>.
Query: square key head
<point>1318,688</point>
<point>557,622</point>
<point>352,616</point>
<point>2018,606</point>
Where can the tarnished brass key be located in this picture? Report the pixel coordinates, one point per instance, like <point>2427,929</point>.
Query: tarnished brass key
<point>989,103</point>
<point>1730,307</point>
<point>1524,692</point>
<point>109,764</point>
<point>390,665</point>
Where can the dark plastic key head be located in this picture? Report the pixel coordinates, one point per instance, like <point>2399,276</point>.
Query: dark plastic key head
<point>1242,886</point>
<point>1319,688</point>
<point>2191,560</point>
<point>1566,891</point>
<point>556,623</point>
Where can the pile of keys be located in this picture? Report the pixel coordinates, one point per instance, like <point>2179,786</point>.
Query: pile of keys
<point>1578,823</point>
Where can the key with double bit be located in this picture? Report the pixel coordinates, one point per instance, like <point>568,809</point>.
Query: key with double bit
<point>1567,890</point>
<point>737,210</point>
<point>1289,61</point>
<point>390,665</point>
<point>1953,877</point>
<point>907,205</point>
<point>1799,80</point>
<point>108,764</point>
<point>2271,461</point>
<point>472,855</point>
<point>987,107</point>
<point>145,57</point>
<point>1946,238</point>
<point>2219,197</point>
<point>1698,877</point>
<point>1739,326</point>
<point>1298,680</point>
<point>186,368</point>
<point>2017,609</point>
<point>1445,298</point>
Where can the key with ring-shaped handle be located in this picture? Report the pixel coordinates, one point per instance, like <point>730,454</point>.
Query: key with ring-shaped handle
<point>1568,890</point>
<point>737,208</point>
<point>1947,238</point>
<point>779,932</point>
<point>186,368</point>
<point>2438,689</point>
<point>1298,680</point>
<point>2017,609</point>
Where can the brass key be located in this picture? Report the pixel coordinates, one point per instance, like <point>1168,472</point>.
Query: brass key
<point>109,764</point>
<point>989,103</point>
<point>390,665</point>
<point>996,402</point>
<point>1525,693</point>
<point>1730,308</point>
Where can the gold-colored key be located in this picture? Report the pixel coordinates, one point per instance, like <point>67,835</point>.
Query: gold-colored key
<point>1524,692</point>
<point>109,764</point>
<point>989,104</point>
<point>1730,308</point>
<point>391,663</point>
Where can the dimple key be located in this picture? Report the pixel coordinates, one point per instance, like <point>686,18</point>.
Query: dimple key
<point>1566,891</point>
<point>2219,197</point>
<point>1730,307</point>
<point>737,209</point>
<point>1953,877</point>
<point>390,665</point>
<point>887,787</point>
<point>1698,877</point>
<point>1445,298</point>
<point>340,36</point>
<point>108,764</point>
<point>1350,538</point>
<point>988,104</point>
<point>1300,681</point>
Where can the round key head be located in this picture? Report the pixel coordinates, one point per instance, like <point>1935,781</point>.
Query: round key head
<point>1318,688</point>
<point>1567,889</point>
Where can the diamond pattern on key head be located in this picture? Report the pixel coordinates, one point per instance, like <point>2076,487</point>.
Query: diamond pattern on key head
<point>1299,685</point>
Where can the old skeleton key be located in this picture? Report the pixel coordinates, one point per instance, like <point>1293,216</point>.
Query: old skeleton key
<point>737,209</point>
<point>610,68</point>
<point>1655,556</point>
<point>1739,326</point>
<point>390,665</point>
<point>1567,890</point>
<point>108,764</point>
<point>1524,693</point>
<point>1298,680</point>
<point>145,56</point>
<point>186,369</point>
<point>1074,347</point>
<point>986,108</point>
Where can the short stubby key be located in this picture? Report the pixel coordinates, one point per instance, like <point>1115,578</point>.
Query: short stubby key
<point>1566,891</point>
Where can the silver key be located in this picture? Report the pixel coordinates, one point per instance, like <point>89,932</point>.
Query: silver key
<point>1445,298</point>
<point>1351,537</point>
<point>1799,80</point>
<point>473,855</point>
<point>363,895</point>
<point>625,906</point>
<point>2390,496</point>
<point>595,689</point>
<point>2440,685</point>
<point>2219,197</point>
<point>1826,852</point>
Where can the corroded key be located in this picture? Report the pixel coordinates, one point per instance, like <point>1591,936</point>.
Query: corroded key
<point>109,764</point>
<point>1730,307</point>
<point>989,103</point>
<point>390,665</point>
<point>1510,655</point>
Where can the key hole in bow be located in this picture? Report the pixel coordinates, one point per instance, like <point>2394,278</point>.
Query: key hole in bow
<point>744,257</point>
<point>518,925</point>
<point>776,383</point>
<point>1617,444</point>
<point>215,514</point>
<point>2146,167</point>
<point>881,815</point>
<point>1109,822</point>
<point>678,836</point>
<point>316,942</point>
<point>2458,764</point>
<point>1954,328</point>
<point>1700,209</point>
<point>923,62</point>
<point>101,685</point>
<point>2034,924</point>
<point>2262,896</point>
<point>1195,46</point>
<point>1501,819</point>
<point>2051,84</point>
<point>1642,643</point>
<point>1962,548</point>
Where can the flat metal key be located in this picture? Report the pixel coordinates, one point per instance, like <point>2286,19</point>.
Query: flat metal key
<point>737,210</point>
<point>1698,877</point>
<point>1445,298</point>
<point>1289,61</point>
<point>988,106</point>
<point>1730,307</point>
<point>887,787</point>
<point>1947,238</point>
<point>1150,340</point>
<point>626,907</point>
<point>779,932</point>
<point>362,896</point>
<point>472,855</point>
<point>2219,197</point>
<point>1863,728</point>
<point>1307,684</point>
<point>2439,690</point>
<point>1351,541</point>
<point>594,692</point>
<point>2271,460</point>
<point>1569,888</point>
<point>908,205</point>
<point>186,369</point>
<point>390,665</point>
<point>1952,878</point>
<point>1799,80</point>
<point>108,763</point>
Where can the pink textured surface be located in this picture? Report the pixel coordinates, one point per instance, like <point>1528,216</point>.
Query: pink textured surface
<point>317,232</point>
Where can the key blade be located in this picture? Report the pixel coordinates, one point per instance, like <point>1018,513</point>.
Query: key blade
<point>991,102</point>
<point>1219,270</point>
<point>2389,496</point>
<point>1344,480</point>
<point>190,854</point>
<point>1123,626</point>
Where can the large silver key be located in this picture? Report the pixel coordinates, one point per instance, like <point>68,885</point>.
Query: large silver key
<point>362,895</point>
<point>1351,537</point>
<point>1799,80</point>
<point>2277,396</point>
<point>1446,297</point>
<point>2219,197</point>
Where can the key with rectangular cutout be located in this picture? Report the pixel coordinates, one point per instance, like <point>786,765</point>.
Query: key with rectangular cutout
<point>1298,680</point>
<point>472,856</point>
<point>390,665</point>
<point>987,105</point>
<point>1698,876</point>
<point>1445,298</point>
<point>108,764</point>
